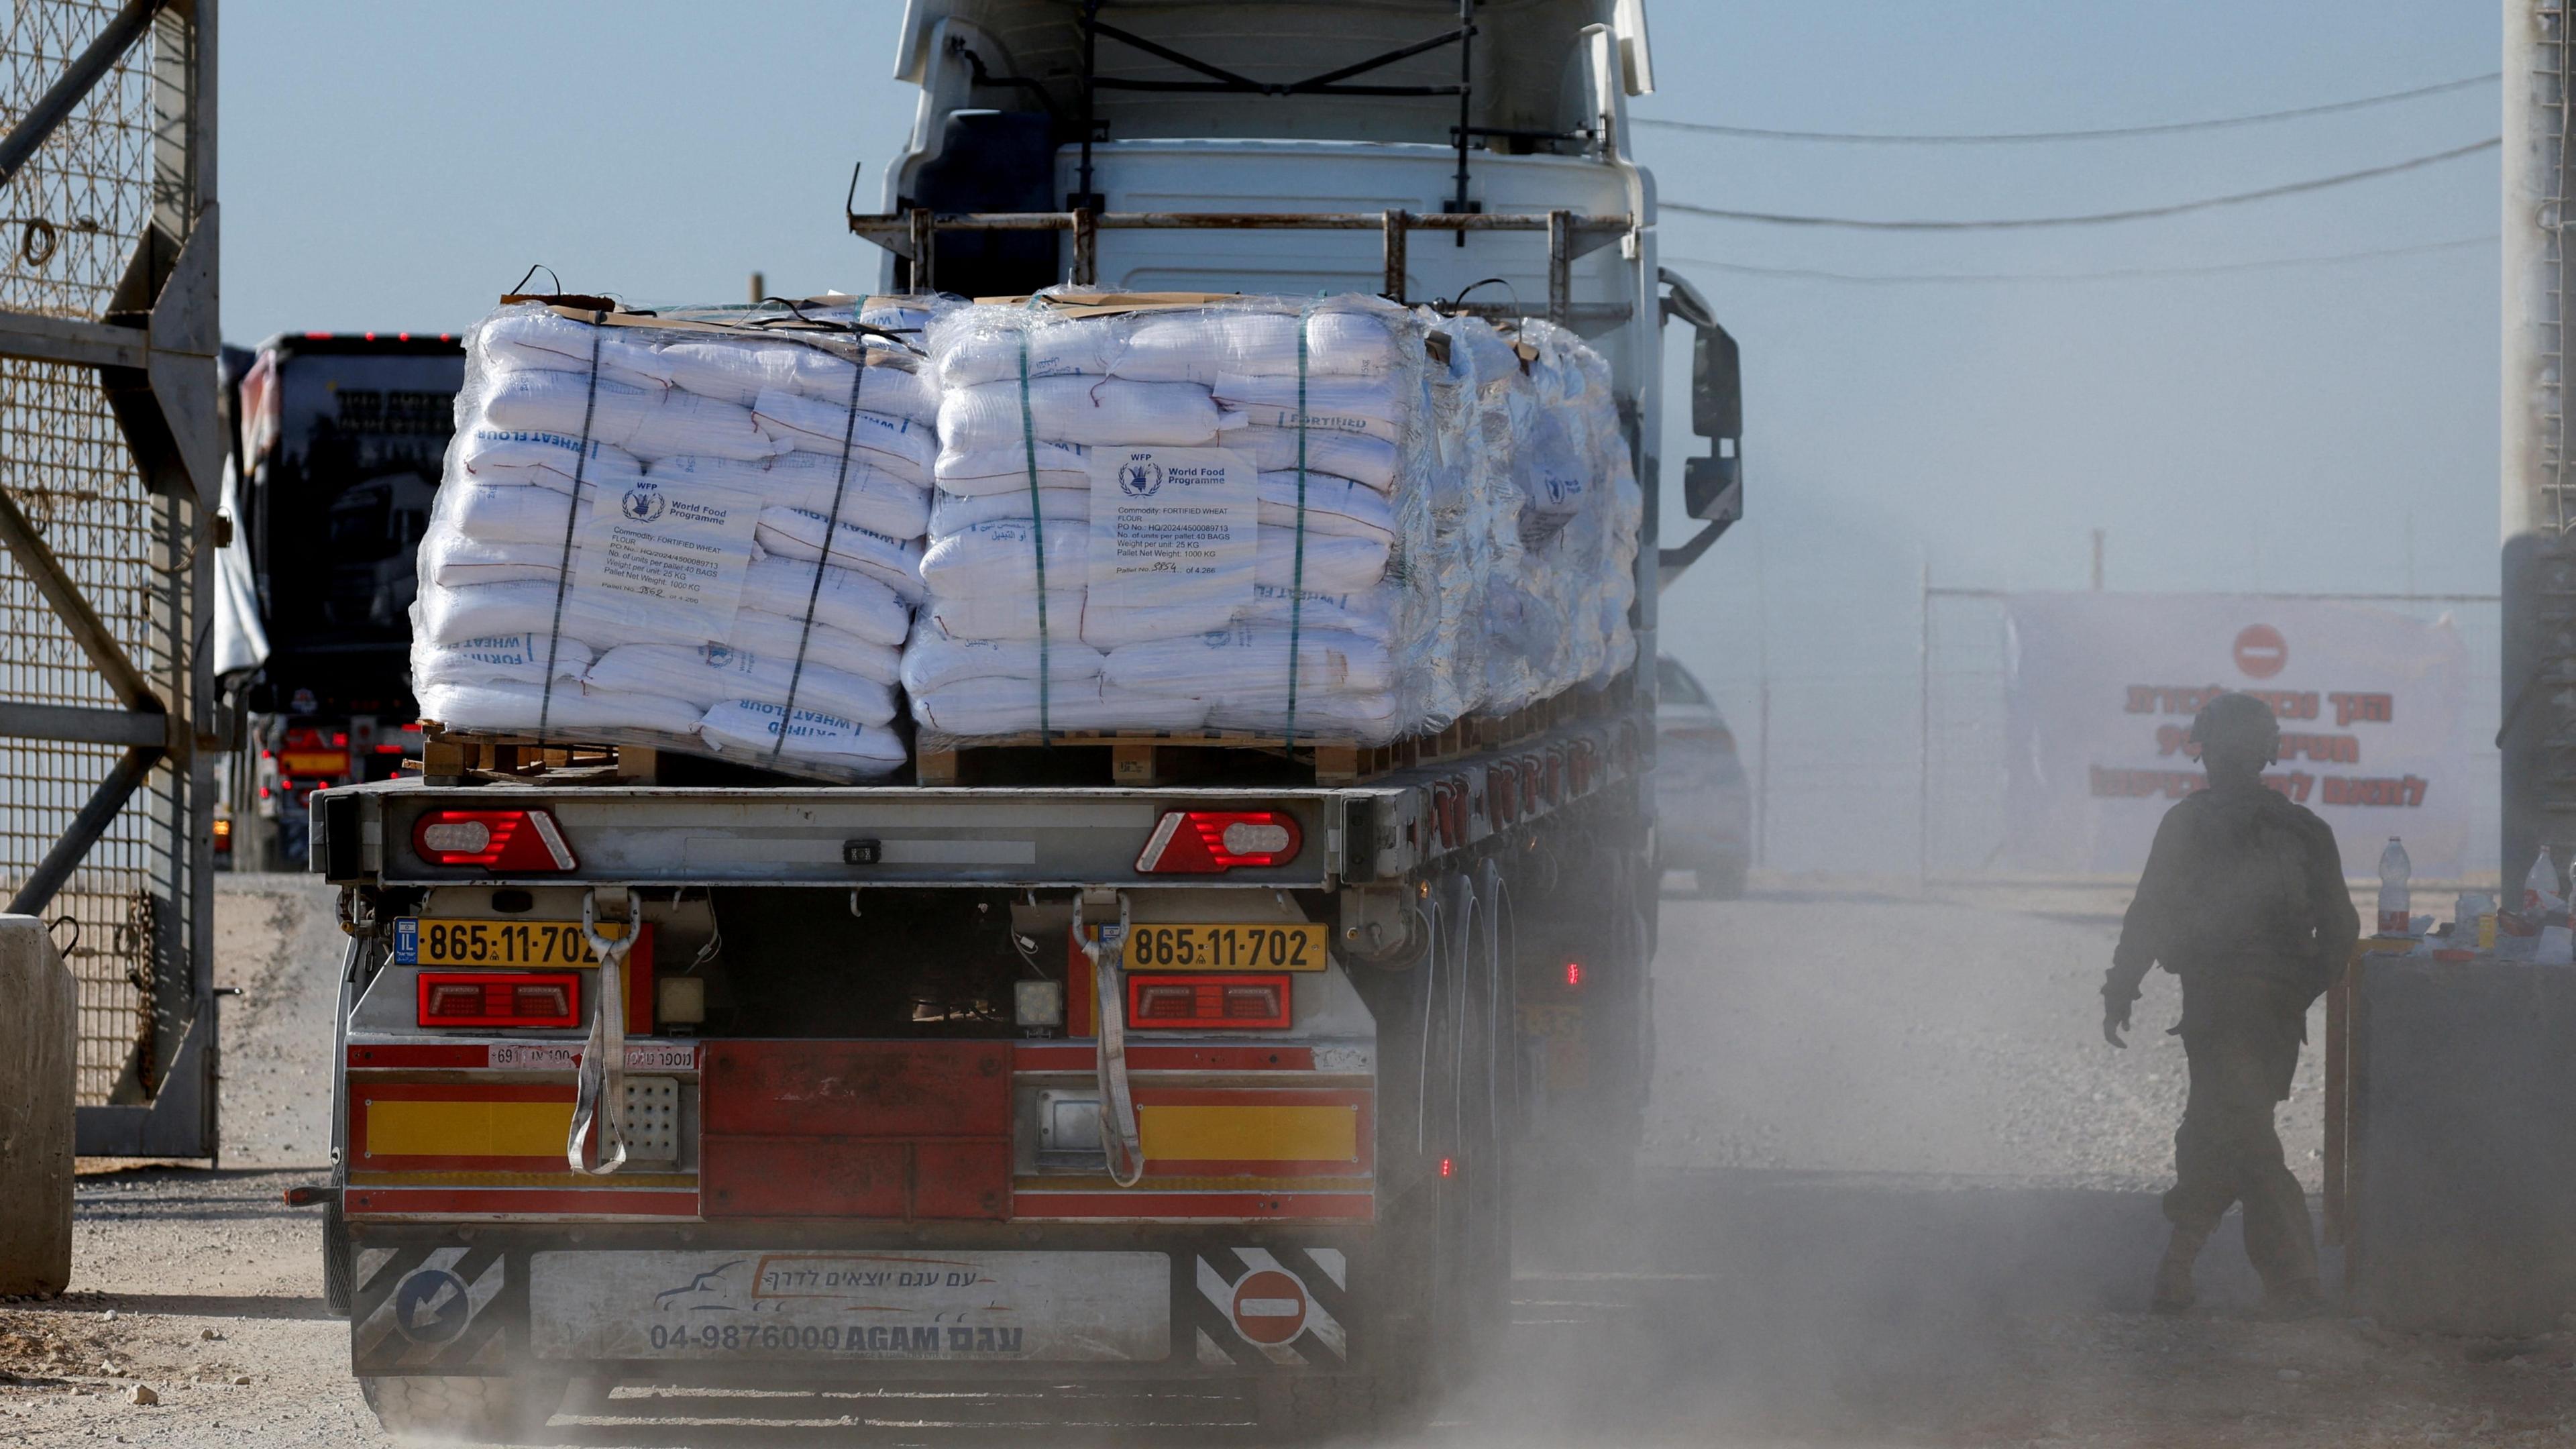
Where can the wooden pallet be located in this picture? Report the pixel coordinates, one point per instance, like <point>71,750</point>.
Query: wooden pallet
<point>1114,757</point>
<point>1170,757</point>
<point>453,756</point>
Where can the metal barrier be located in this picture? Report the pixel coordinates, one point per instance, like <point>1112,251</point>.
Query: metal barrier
<point>110,454</point>
<point>910,235</point>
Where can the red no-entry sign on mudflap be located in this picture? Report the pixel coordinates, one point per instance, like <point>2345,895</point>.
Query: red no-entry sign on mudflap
<point>1269,1306</point>
<point>2260,651</point>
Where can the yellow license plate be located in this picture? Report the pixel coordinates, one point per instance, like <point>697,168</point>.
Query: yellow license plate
<point>1295,946</point>
<point>441,942</point>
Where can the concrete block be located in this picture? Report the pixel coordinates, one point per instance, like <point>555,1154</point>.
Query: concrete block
<point>38,1023</point>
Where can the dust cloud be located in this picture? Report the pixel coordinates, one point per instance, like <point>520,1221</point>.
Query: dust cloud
<point>1896,1190</point>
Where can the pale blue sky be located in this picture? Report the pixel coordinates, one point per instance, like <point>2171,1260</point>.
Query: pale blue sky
<point>397,167</point>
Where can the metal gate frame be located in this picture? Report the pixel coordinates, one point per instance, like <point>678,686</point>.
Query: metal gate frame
<point>155,351</point>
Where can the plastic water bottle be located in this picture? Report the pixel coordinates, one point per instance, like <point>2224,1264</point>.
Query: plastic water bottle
<point>2540,886</point>
<point>2394,871</point>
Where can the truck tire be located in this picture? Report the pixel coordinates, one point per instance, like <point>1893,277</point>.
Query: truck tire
<point>422,1409</point>
<point>335,1257</point>
<point>1314,1408</point>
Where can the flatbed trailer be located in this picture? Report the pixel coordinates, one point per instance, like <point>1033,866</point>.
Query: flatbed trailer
<point>1347,1156</point>
<point>1135,1060</point>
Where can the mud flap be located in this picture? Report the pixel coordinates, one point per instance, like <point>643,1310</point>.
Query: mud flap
<point>420,1309</point>
<point>1265,1309</point>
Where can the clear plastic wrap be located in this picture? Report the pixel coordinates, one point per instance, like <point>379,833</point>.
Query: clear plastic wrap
<point>1147,508</point>
<point>699,531</point>
<point>1566,510</point>
<point>783,536</point>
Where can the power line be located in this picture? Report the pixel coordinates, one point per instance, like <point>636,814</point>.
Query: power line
<point>2090,219</point>
<point>2123,273</point>
<point>2107,133</point>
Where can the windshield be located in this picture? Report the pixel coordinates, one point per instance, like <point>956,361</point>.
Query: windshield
<point>344,489</point>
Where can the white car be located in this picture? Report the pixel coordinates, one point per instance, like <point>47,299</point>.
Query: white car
<point>1703,810</point>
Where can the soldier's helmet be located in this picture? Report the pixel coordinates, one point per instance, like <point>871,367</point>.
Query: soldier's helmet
<point>2237,722</point>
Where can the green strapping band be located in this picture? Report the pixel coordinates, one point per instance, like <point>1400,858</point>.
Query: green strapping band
<point>572,518</point>
<point>1037,527</point>
<point>1297,574</point>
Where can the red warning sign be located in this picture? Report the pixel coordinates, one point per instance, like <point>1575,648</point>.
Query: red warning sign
<point>2260,651</point>
<point>1269,1306</point>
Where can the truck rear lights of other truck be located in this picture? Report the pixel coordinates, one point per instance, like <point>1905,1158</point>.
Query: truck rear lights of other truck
<point>1212,842</point>
<point>500,998</point>
<point>511,842</point>
<point>1227,1000</point>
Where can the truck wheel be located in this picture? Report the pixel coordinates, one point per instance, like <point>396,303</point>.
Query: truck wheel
<point>424,1409</point>
<point>335,1257</point>
<point>1309,1409</point>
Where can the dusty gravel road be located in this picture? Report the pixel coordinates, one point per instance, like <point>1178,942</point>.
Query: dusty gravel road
<point>1901,1194</point>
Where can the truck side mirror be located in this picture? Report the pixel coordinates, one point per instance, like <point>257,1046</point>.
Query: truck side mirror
<point>1717,385</point>
<point>1712,486</point>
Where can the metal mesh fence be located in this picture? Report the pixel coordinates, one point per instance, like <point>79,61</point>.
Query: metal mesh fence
<point>68,223</point>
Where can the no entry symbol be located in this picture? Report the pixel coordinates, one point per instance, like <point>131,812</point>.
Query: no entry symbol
<point>1269,1306</point>
<point>2260,651</point>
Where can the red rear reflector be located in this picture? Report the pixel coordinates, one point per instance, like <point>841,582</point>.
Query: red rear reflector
<point>1229,1000</point>
<point>509,841</point>
<point>500,998</point>
<point>1211,842</point>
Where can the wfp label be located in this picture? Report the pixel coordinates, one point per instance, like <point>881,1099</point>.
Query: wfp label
<point>1173,526</point>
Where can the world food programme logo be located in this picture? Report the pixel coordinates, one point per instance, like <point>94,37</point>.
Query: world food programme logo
<point>1140,479</point>
<point>643,504</point>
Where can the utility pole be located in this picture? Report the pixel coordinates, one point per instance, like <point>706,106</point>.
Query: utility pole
<point>2538,664</point>
<point>759,287</point>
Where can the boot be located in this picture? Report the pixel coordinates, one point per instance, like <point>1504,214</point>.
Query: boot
<point>2293,1300</point>
<point>2174,1292</point>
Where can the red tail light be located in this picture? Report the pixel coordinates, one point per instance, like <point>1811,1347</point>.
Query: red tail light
<point>512,842</point>
<point>1212,842</point>
<point>1573,973</point>
<point>1227,999</point>
<point>500,998</point>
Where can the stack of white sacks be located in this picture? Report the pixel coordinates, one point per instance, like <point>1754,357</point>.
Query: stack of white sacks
<point>1146,461</point>
<point>661,531</point>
